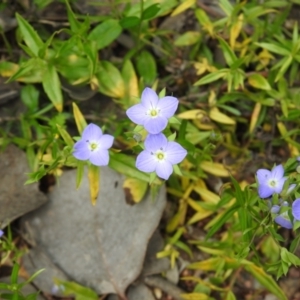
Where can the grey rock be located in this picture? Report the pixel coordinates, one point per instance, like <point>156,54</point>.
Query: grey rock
<point>38,259</point>
<point>16,199</point>
<point>103,246</point>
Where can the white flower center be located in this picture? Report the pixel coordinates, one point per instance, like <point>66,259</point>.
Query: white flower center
<point>159,155</point>
<point>272,182</point>
<point>153,112</point>
<point>93,146</point>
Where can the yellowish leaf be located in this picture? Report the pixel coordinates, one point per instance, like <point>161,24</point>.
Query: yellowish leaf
<point>235,30</point>
<point>199,215</point>
<point>131,83</point>
<point>135,189</point>
<point>182,7</point>
<point>79,118</point>
<point>192,114</point>
<point>216,169</point>
<point>254,116</point>
<point>210,264</point>
<point>94,181</point>
<point>219,117</point>
<point>207,195</point>
<point>195,296</point>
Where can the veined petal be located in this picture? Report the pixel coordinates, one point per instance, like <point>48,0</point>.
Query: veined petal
<point>137,114</point>
<point>81,150</point>
<point>149,98</point>
<point>296,209</point>
<point>100,157</point>
<point>167,105</point>
<point>91,132</point>
<point>175,153</point>
<point>265,191</point>
<point>164,170</point>
<point>277,172</point>
<point>153,142</point>
<point>146,162</point>
<point>283,222</point>
<point>156,125</point>
<point>106,141</point>
<point>279,186</point>
<point>262,175</point>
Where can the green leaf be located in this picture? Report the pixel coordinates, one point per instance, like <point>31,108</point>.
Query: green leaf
<point>74,24</point>
<point>66,137</point>
<point>105,33</point>
<point>129,22</point>
<point>30,97</point>
<point>30,36</point>
<point>79,173</point>
<point>80,292</point>
<point>111,82</point>
<point>212,77</point>
<point>146,67</point>
<point>274,48</point>
<point>286,62</point>
<point>259,82</point>
<point>229,55</point>
<point>125,164</point>
<point>266,280</point>
<point>151,11</point>
<point>52,87</point>
<point>188,38</point>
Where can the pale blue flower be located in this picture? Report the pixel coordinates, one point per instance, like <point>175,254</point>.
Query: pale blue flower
<point>270,182</point>
<point>160,155</point>
<point>153,113</point>
<point>283,218</point>
<point>296,209</point>
<point>1,233</point>
<point>94,146</point>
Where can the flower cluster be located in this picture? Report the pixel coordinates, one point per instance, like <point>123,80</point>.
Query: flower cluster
<point>271,183</point>
<point>160,154</point>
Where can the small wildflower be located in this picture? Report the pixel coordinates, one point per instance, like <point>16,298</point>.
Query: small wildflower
<point>270,182</point>
<point>94,146</point>
<point>1,233</point>
<point>160,155</point>
<point>282,219</point>
<point>153,113</point>
<point>296,209</point>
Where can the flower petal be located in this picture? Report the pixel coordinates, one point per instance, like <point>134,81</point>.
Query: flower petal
<point>81,150</point>
<point>283,222</point>
<point>164,170</point>
<point>275,209</point>
<point>91,132</point>
<point>279,186</point>
<point>175,153</point>
<point>156,125</point>
<point>153,142</point>
<point>262,175</point>
<point>100,157</point>
<point>167,105</point>
<point>277,172</point>
<point>265,191</point>
<point>149,98</point>
<point>106,141</point>
<point>146,162</point>
<point>296,209</point>
<point>137,114</point>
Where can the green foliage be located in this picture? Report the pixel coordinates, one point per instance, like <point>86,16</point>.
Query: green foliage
<point>236,73</point>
